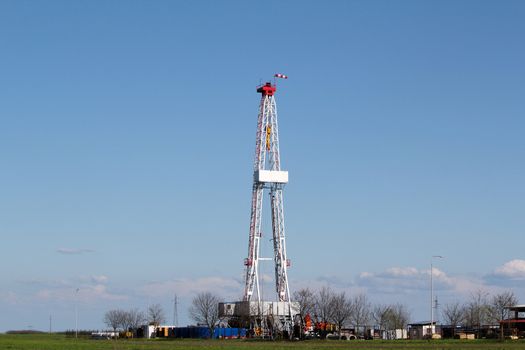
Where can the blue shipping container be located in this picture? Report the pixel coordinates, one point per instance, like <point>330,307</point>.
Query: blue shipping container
<point>204,332</point>
<point>230,333</point>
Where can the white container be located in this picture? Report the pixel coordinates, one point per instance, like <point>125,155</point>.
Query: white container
<point>271,176</point>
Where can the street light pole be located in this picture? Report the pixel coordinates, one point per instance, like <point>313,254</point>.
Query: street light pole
<point>76,312</point>
<point>432,294</point>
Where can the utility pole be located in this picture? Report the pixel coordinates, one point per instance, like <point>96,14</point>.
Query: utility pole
<point>432,294</point>
<point>175,314</point>
<point>76,312</point>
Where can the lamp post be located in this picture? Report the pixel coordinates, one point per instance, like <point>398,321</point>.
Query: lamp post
<point>432,294</point>
<point>76,312</point>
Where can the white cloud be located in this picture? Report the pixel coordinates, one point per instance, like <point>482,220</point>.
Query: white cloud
<point>10,297</point>
<point>224,287</point>
<point>402,272</point>
<point>397,280</point>
<point>85,294</point>
<point>393,280</point>
<point>74,251</point>
<point>265,277</point>
<point>99,279</point>
<point>44,283</point>
<point>90,289</point>
<point>336,283</point>
<point>514,269</point>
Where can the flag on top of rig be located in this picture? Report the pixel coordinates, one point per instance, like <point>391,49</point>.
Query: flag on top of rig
<point>279,75</point>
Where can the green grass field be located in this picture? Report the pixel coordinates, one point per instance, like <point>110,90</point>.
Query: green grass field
<point>60,342</point>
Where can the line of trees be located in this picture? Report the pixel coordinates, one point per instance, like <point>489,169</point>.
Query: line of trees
<point>118,319</point>
<point>327,305</point>
<point>481,309</point>
<point>357,311</point>
<point>204,310</point>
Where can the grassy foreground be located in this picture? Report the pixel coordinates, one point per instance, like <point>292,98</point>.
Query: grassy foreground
<point>60,342</point>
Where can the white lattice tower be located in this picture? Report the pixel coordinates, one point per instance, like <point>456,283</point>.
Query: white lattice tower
<point>267,175</point>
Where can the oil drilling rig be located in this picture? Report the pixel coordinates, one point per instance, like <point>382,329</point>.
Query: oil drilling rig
<point>265,318</point>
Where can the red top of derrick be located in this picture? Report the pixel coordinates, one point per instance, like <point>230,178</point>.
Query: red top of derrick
<point>267,89</point>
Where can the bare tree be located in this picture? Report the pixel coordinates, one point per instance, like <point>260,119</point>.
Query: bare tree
<point>305,298</point>
<point>397,316</point>
<point>477,310</point>
<point>204,309</point>
<point>380,315</point>
<point>499,306</point>
<point>156,314</point>
<point>391,317</point>
<point>323,309</point>
<point>361,311</point>
<point>133,319</point>
<point>454,315</point>
<point>322,304</point>
<point>341,310</point>
<point>115,319</point>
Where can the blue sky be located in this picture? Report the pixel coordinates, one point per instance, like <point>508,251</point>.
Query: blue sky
<point>127,136</point>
